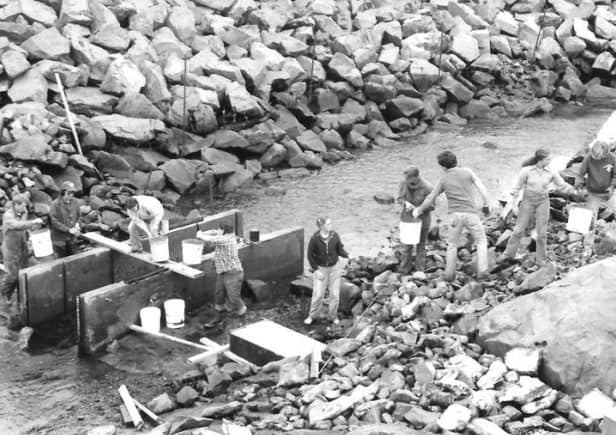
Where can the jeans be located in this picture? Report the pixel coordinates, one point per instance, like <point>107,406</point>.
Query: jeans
<point>326,278</point>
<point>229,290</point>
<point>594,201</point>
<point>135,232</point>
<point>420,253</point>
<point>537,205</point>
<point>472,222</point>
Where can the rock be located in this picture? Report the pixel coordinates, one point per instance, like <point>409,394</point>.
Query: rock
<point>471,369</point>
<point>309,140</point>
<point>241,102</point>
<point>236,180</point>
<point>596,404</point>
<point>474,109</point>
<point>108,429</point>
<point>506,23</point>
<point>293,372</point>
<point>69,75</point>
<point>546,317</point>
<point>112,164</point>
<point>155,85</point>
<point>122,76</point>
<point>455,418</point>
<point>219,410</point>
<point>597,93</point>
<point>48,44</point>
<point>574,46</point>
<point>30,86</point>
<point>423,73</point>
<point>384,198</point>
<point>604,62</point>
<point>111,37</point>
<point>523,361</point>
<point>482,426</point>
<point>137,105</point>
<point>96,58</point>
<point>345,68</point>
<point>182,21</point>
<point>465,47</point>
<point>403,107</point>
<point>494,375</point>
<point>457,90</point>
<point>262,136</point>
<point>604,29</point>
<point>14,63</point>
<point>419,418</point>
<point>32,149</point>
<point>181,173</point>
<point>382,429</point>
<point>215,156</point>
<point>186,396</point>
<point>137,130</point>
<point>225,139</point>
<point>273,156</point>
<point>75,11</point>
<point>343,346</point>
<point>90,100</point>
<point>538,279</point>
<point>161,403</point>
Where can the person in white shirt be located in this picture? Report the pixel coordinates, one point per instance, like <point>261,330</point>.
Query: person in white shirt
<point>146,214</point>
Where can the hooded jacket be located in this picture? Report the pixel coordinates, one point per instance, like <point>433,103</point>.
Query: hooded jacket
<point>325,252</point>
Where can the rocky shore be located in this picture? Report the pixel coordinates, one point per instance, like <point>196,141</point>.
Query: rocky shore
<point>417,355</point>
<point>174,97</point>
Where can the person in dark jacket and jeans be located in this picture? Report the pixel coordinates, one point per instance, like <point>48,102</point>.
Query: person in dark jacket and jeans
<point>324,250</point>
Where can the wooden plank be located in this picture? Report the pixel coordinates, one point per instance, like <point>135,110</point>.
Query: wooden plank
<point>130,406</point>
<point>208,353</point>
<point>124,248</point>
<point>84,272</point>
<point>44,291</point>
<point>105,313</point>
<point>168,337</point>
<point>126,268</point>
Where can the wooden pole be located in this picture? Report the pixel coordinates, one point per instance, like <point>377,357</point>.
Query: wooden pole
<point>130,406</point>
<point>314,44</point>
<point>69,115</point>
<point>184,105</point>
<point>233,357</point>
<point>147,412</point>
<point>208,353</point>
<point>168,337</point>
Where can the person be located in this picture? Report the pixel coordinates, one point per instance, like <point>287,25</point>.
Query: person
<point>15,252</point>
<point>229,270</point>
<point>459,185</point>
<point>64,217</point>
<point>324,250</point>
<point>90,220</point>
<point>413,191</point>
<point>146,214</point>
<point>598,172</point>
<point>534,181</point>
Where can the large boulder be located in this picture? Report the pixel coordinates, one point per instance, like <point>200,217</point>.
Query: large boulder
<point>573,318</point>
<point>122,76</point>
<point>30,86</point>
<point>182,173</point>
<point>90,100</point>
<point>48,44</point>
<point>34,149</point>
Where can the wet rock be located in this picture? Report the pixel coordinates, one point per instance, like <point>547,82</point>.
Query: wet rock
<point>108,429</point>
<point>384,198</point>
<point>186,396</point>
<point>162,403</point>
<point>48,44</point>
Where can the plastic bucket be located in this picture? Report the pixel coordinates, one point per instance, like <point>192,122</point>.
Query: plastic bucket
<point>410,232</point>
<point>41,243</point>
<point>150,318</point>
<point>254,235</point>
<point>580,219</point>
<point>159,248</point>
<point>192,250</point>
<point>174,313</point>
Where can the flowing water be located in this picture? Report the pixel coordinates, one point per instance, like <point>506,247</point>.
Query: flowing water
<point>53,391</point>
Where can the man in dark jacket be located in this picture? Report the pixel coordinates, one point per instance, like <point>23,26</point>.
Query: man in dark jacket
<point>324,250</point>
<point>64,217</point>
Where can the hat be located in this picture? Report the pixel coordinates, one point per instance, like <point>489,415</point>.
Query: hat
<point>68,186</point>
<point>411,171</point>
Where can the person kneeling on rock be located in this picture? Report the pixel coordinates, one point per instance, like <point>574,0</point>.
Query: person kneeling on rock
<point>459,185</point>
<point>146,214</point>
<point>324,250</point>
<point>413,191</point>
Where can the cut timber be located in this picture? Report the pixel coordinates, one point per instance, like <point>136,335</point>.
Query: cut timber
<point>147,412</point>
<point>208,353</point>
<point>168,337</point>
<point>233,357</point>
<point>129,402</point>
<point>267,341</point>
<point>124,248</point>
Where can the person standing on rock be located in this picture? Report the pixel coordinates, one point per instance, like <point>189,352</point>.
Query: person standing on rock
<point>413,191</point>
<point>324,250</point>
<point>15,252</point>
<point>598,172</point>
<point>534,181</point>
<point>229,270</point>
<point>64,216</point>
<point>146,214</point>
<point>459,186</point>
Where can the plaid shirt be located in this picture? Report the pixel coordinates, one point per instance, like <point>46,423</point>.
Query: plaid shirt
<point>226,258</point>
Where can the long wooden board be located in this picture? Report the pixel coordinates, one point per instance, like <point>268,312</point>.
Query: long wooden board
<point>124,248</point>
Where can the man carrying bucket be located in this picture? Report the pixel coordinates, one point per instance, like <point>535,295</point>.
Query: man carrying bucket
<point>459,185</point>
<point>146,214</point>
<point>413,191</point>
<point>598,172</point>
<point>64,218</point>
<point>15,253</point>
<point>229,270</point>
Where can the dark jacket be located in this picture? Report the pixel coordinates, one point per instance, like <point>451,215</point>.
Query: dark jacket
<point>325,253</point>
<point>63,217</point>
<point>414,196</point>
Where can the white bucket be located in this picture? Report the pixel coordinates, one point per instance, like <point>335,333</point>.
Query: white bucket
<point>410,232</point>
<point>192,250</point>
<point>150,318</point>
<point>41,243</point>
<point>580,219</point>
<point>174,313</point>
<point>159,248</point>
